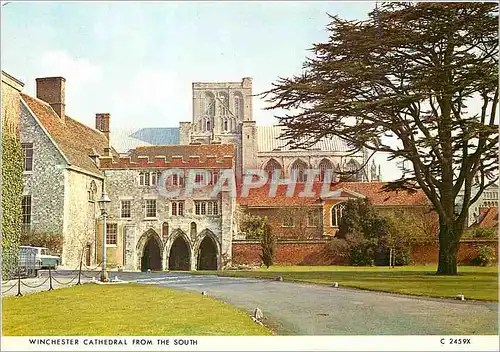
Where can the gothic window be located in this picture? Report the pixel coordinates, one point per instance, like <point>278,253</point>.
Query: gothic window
<point>223,103</point>
<point>325,166</point>
<point>270,168</point>
<point>298,171</point>
<point>238,105</point>
<point>193,230</point>
<point>225,125</point>
<point>209,107</point>
<point>352,167</point>
<point>336,214</point>
<point>164,229</point>
<point>208,126</point>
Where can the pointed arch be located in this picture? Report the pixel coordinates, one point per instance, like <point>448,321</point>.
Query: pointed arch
<point>144,244</point>
<point>298,170</point>
<point>238,105</point>
<point>208,251</point>
<point>271,166</point>
<point>325,166</point>
<point>179,251</point>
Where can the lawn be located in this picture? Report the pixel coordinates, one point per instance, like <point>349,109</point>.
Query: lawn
<point>478,283</point>
<point>126,310</point>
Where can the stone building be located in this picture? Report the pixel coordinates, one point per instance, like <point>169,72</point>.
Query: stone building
<point>62,179</point>
<point>164,214</point>
<point>11,106</point>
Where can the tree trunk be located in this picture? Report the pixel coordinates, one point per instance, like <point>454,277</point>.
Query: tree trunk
<point>448,247</point>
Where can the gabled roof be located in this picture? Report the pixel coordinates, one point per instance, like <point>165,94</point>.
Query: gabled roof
<point>488,219</point>
<point>75,140</point>
<point>268,138</point>
<point>377,196</point>
<point>260,197</point>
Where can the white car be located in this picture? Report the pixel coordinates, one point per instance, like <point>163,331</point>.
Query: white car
<point>37,258</point>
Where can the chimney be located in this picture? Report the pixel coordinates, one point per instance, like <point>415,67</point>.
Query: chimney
<point>102,123</point>
<point>52,91</point>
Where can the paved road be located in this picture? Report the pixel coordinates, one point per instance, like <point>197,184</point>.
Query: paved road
<point>302,309</point>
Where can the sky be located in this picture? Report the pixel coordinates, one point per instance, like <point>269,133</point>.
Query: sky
<point>137,60</point>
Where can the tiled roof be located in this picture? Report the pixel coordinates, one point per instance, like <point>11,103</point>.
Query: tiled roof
<point>75,140</point>
<point>185,151</point>
<point>489,219</point>
<point>371,190</point>
<point>374,193</point>
<point>269,140</point>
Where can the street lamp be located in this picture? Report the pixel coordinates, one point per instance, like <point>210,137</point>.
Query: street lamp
<point>103,202</point>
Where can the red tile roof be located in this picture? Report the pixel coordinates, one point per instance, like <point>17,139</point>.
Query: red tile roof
<point>75,140</point>
<point>185,151</point>
<point>218,156</point>
<point>490,218</point>
<point>259,197</point>
<point>376,195</point>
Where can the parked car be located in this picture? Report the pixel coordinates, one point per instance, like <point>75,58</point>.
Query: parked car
<point>37,258</point>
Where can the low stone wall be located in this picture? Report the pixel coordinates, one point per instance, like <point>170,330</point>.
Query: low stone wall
<point>312,252</point>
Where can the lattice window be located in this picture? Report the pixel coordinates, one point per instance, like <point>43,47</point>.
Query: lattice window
<point>336,214</point>
<point>111,234</point>
<point>28,156</point>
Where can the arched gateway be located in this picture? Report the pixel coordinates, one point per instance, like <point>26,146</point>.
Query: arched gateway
<point>208,252</point>
<point>149,251</point>
<point>180,255</point>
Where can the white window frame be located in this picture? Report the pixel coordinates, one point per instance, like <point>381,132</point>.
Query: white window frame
<point>107,235</point>
<point>338,205</point>
<point>146,208</point>
<point>121,208</point>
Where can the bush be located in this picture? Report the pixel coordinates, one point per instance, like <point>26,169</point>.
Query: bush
<point>485,233</point>
<point>268,243</point>
<point>485,256</point>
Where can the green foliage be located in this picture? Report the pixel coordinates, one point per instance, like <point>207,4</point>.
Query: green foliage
<point>50,240</point>
<point>409,71</point>
<point>486,233</point>
<point>485,256</point>
<point>12,188</point>
<point>268,243</point>
<point>365,233</point>
<point>253,226</point>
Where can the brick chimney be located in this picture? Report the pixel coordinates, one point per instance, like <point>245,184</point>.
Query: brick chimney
<point>52,91</point>
<point>102,123</point>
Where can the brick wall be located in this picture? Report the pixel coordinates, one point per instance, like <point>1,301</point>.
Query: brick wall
<point>312,253</point>
<point>467,251</point>
<point>287,253</point>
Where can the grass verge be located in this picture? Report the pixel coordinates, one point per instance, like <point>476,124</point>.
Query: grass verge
<point>123,310</point>
<point>477,283</point>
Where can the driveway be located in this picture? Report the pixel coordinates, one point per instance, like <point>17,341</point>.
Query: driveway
<point>304,309</point>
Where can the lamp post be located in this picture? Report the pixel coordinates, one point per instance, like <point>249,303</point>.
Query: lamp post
<point>103,201</point>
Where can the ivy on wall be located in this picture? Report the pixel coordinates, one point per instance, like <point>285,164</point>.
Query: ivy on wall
<point>12,190</point>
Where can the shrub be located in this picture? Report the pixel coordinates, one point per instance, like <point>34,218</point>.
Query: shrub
<point>485,256</point>
<point>268,243</point>
<point>485,233</point>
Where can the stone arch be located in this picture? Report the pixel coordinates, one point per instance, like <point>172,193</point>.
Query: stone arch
<point>178,251</point>
<point>298,170</point>
<point>270,166</point>
<point>145,245</point>
<point>207,251</point>
<point>209,106</point>
<point>353,167</point>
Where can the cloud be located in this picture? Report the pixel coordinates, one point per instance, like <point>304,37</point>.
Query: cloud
<point>77,70</point>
